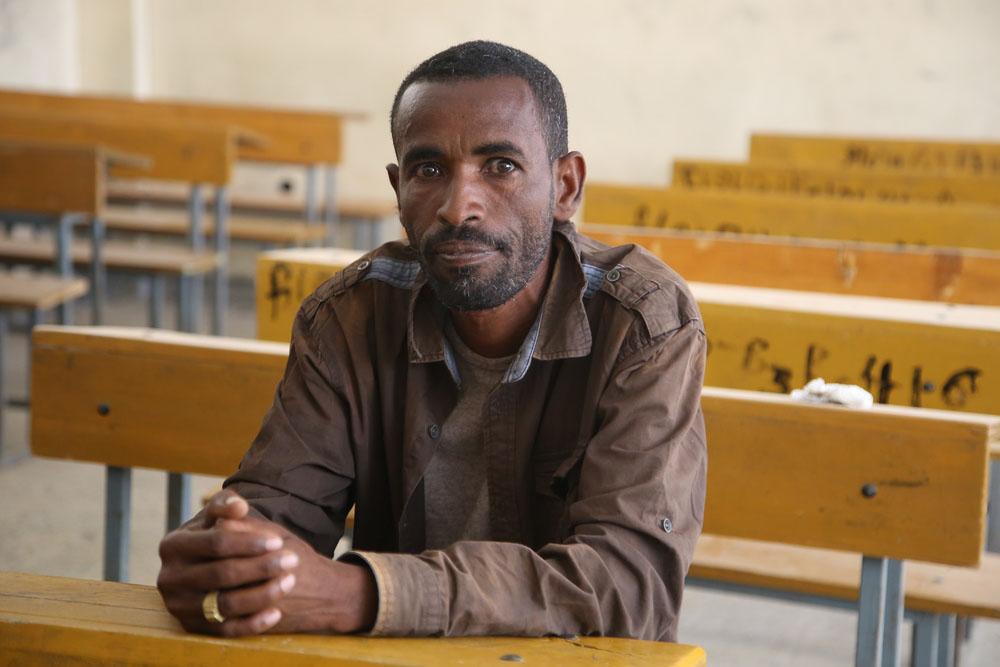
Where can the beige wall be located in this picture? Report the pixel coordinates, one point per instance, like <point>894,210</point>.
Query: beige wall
<point>38,47</point>
<point>646,80</point>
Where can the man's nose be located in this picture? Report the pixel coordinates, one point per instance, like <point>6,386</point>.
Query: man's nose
<point>463,200</point>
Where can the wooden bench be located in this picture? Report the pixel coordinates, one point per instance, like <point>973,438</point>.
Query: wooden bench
<point>949,275</point>
<point>928,468</point>
<point>49,620</point>
<point>285,278</point>
<point>35,294</point>
<point>200,154</point>
<point>368,217</point>
<point>870,153</point>
<point>312,139</point>
<point>831,181</point>
<point>959,226</point>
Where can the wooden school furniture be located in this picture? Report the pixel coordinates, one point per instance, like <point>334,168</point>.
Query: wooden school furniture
<point>285,278</point>
<point>34,294</point>
<point>48,620</point>
<point>834,182</point>
<point>200,154</point>
<point>866,482</point>
<point>949,275</point>
<point>870,153</point>
<point>312,139</point>
<point>959,226</point>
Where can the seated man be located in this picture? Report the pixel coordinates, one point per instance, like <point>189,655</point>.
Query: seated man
<point>512,408</point>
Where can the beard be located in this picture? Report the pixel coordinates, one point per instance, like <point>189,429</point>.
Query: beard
<point>471,288</point>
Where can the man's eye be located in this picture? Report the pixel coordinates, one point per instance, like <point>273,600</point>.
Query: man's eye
<point>502,166</point>
<point>428,170</point>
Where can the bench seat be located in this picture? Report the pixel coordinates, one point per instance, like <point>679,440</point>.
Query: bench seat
<point>935,589</point>
<point>245,228</point>
<point>117,256</point>
<point>38,292</point>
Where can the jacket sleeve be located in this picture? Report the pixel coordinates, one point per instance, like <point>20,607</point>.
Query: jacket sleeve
<point>634,518</point>
<point>299,470</point>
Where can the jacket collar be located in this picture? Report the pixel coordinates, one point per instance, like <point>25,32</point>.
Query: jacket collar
<point>561,329</point>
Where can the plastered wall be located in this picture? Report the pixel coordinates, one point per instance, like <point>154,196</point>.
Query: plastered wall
<point>646,80</point>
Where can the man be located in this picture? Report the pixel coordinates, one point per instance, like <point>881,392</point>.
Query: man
<point>512,408</point>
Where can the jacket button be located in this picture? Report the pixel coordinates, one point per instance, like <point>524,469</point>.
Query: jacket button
<point>668,525</point>
<point>613,275</point>
<point>434,431</point>
<point>364,265</point>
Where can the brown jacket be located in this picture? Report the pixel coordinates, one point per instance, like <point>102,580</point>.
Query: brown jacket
<point>595,441</point>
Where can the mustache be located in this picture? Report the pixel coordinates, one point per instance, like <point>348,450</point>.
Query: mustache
<point>464,233</point>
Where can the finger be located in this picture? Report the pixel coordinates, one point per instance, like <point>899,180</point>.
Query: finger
<point>230,572</point>
<point>249,625</point>
<point>225,504</point>
<point>213,544</point>
<point>252,524</point>
<point>254,599</point>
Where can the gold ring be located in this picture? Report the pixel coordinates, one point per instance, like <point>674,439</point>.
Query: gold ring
<point>210,608</point>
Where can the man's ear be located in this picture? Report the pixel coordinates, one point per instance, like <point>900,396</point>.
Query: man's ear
<point>393,171</point>
<point>569,173</point>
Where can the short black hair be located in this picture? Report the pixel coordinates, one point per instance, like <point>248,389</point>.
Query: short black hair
<point>484,60</point>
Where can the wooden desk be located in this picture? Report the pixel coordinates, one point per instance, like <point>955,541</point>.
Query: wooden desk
<point>44,620</point>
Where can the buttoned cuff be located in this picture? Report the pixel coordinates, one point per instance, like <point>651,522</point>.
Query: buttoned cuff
<point>411,598</point>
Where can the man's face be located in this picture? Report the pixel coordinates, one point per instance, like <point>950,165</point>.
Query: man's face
<point>475,187</point>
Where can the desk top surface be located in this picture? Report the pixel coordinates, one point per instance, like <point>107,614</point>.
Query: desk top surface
<point>42,618</point>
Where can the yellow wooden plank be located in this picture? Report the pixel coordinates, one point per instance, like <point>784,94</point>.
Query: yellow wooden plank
<point>791,472</point>
<point>38,291</point>
<point>862,153</point>
<point>192,403</point>
<point>49,619</point>
<point>189,152</point>
<point>884,186</point>
<point>50,179</point>
<point>285,278</point>
<point>292,136</point>
<point>905,352</point>
<point>116,255</point>
<point>836,267</point>
<point>173,403</point>
<point>936,589</point>
<point>953,226</point>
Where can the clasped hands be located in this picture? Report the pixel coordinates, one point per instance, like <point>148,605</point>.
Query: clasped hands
<point>266,578</point>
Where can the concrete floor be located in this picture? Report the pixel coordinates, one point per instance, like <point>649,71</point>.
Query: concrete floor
<point>51,523</point>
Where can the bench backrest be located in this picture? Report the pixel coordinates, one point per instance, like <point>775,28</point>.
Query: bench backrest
<point>781,471</point>
<point>305,137</point>
<point>867,153</point>
<point>952,275</point>
<point>183,152</point>
<point>960,226</point>
<point>906,353</point>
<point>812,181</point>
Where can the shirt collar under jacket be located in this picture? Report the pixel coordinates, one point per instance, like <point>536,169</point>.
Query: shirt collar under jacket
<point>561,329</point>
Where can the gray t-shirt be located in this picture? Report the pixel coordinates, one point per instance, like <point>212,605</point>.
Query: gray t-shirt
<point>457,500</point>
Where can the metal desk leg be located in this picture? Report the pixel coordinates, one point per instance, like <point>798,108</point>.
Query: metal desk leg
<point>871,611</point>
<point>330,214</point>
<point>157,299</point>
<point>312,181</point>
<point>893,622</point>
<point>946,640</point>
<point>178,499</point>
<point>196,237</point>
<point>98,275</point>
<point>222,270</point>
<point>64,263</point>
<point>117,510</point>
<point>3,389</point>
<point>925,639</point>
